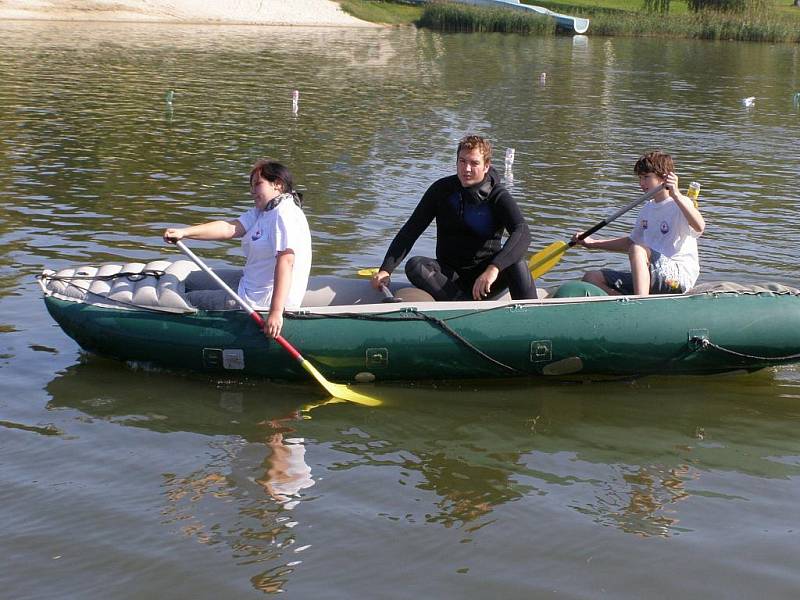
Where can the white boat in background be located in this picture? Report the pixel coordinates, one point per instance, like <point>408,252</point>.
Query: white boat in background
<point>574,24</point>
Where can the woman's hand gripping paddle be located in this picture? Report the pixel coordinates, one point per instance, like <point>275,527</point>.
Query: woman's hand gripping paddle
<point>334,389</point>
<point>389,296</point>
<point>544,260</point>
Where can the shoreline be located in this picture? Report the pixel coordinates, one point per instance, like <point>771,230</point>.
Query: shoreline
<point>314,13</point>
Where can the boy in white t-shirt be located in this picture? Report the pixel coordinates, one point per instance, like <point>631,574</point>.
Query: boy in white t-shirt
<point>662,247</point>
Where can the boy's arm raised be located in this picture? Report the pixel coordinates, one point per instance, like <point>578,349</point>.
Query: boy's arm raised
<point>693,216</point>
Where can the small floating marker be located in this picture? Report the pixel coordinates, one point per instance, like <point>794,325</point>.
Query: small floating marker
<point>749,101</point>
<point>169,96</point>
<point>509,174</point>
<point>295,101</point>
<point>509,158</point>
<point>542,78</point>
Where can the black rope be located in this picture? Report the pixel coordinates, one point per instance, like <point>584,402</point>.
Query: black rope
<point>447,329</point>
<point>415,316</point>
<point>709,344</point>
<point>131,275</point>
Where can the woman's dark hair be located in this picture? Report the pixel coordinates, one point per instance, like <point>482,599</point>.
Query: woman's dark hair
<point>272,170</point>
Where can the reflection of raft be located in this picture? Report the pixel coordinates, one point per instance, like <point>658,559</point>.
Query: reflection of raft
<point>143,313</point>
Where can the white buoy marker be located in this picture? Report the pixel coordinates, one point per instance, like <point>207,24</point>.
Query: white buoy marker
<point>509,161</point>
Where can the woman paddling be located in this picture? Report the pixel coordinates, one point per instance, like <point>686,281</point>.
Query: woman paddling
<point>276,242</point>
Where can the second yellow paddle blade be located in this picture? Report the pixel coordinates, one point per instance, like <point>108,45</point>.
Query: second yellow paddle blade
<point>544,260</point>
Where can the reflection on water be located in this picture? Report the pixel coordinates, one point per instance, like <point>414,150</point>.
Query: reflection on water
<point>285,469</point>
<point>636,457</point>
<point>644,506</point>
<point>259,532</point>
<point>626,471</point>
<point>254,472</point>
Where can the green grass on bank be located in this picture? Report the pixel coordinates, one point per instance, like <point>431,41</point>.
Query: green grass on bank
<point>380,11</point>
<point>765,22</point>
<point>704,25</point>
<point>677,7</point>
<point>757,26</point>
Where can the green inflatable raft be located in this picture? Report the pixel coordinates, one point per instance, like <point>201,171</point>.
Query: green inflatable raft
<point>144,313</point>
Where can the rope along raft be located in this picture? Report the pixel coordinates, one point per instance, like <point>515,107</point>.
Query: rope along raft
<point>706,343</point>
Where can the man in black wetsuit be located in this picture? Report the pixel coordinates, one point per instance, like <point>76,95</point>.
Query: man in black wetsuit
<point>472,210</point>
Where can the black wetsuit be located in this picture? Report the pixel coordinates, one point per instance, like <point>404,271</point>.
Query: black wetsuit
<point>470,223</point>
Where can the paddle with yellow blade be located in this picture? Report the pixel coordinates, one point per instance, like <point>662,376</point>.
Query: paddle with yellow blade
<point>544,260</point>
<point>336,390</point>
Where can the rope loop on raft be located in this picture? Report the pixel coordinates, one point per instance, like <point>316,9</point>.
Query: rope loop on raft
<point>706,344</point>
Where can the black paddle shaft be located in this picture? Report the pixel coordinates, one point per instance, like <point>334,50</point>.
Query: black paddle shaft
<point>616,215</point>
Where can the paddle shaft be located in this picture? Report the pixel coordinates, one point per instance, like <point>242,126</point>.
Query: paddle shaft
<point>239,300</point>
<point>616,215</point>
<point>390,297</point>
<point>547,258</point>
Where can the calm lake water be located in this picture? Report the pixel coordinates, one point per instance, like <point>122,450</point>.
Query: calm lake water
<point>123,482</point>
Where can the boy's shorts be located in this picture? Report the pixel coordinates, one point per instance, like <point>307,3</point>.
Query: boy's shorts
<point>664,277</point>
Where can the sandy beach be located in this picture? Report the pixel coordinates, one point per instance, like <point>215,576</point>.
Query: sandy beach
<point>255,12</point>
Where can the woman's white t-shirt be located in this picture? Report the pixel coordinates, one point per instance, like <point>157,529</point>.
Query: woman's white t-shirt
<point>267,233</point>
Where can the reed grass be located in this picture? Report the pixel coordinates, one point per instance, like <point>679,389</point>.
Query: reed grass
<point>464,18</point>
<point>759,23</point>
<point>751,26</point>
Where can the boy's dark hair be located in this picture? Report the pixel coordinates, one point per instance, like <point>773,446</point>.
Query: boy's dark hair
<point>656,162</point>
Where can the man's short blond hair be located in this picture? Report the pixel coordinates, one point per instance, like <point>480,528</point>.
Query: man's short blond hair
<point>473,142</point>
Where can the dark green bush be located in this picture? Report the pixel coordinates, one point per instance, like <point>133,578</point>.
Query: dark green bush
<point>718,5</point>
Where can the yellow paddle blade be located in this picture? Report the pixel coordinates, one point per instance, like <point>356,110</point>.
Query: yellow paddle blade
<point>544,260</point>
<point>367,272</point>
<point>307,408</point>
<point>338,390</point>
